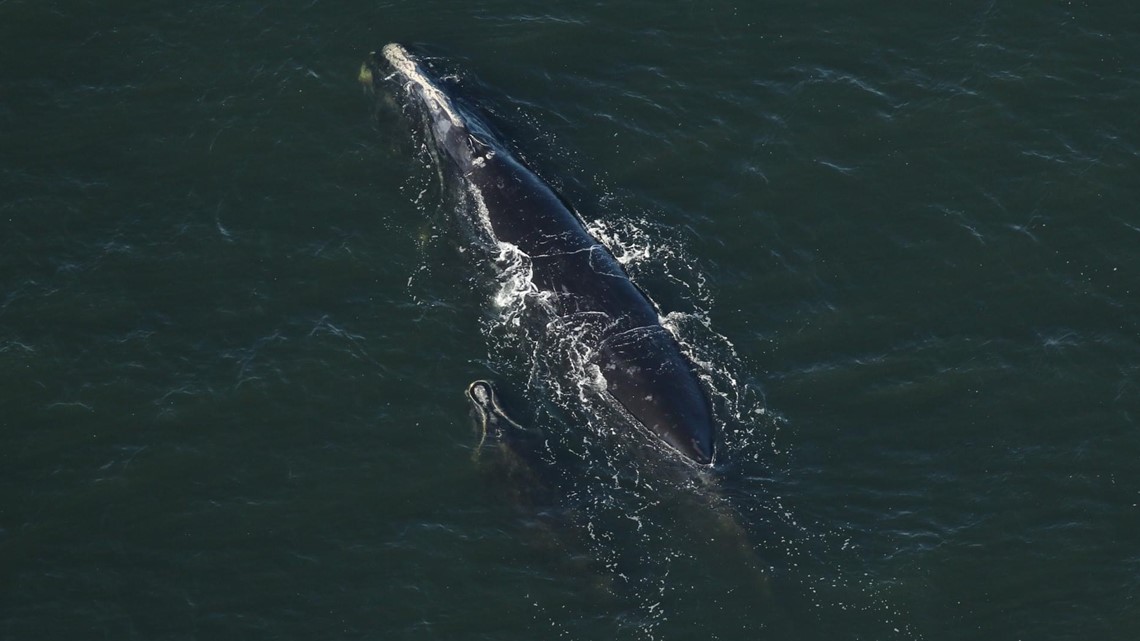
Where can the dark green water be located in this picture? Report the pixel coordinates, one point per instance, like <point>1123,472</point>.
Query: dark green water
<point>237,320</point>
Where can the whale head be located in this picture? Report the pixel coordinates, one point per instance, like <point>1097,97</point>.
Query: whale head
<point>454,132</point>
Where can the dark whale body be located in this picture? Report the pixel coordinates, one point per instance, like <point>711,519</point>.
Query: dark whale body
<point>585,286</point>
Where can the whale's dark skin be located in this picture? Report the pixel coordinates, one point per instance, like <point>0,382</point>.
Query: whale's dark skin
<point>584,284</point>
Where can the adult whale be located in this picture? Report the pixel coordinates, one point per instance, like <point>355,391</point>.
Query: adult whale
<point>579,280</point>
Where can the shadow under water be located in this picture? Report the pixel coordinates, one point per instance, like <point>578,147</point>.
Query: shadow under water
<point>661,544</point>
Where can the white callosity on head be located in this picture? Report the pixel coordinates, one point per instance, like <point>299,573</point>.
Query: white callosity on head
<point>435,98</point>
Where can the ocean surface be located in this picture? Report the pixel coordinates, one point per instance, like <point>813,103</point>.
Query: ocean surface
<point>900,242</point>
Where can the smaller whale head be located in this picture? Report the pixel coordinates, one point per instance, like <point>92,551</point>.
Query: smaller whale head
<point>493,419</point>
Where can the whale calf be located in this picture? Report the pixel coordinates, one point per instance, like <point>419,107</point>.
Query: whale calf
<point>642,365</point>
